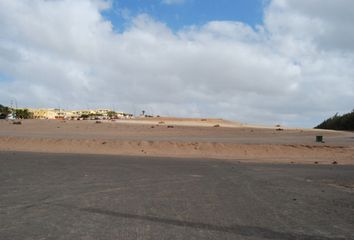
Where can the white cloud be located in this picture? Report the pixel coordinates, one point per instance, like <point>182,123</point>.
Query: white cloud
<point>170,2</point>
<point>295,69</point>
<point>327,23</point>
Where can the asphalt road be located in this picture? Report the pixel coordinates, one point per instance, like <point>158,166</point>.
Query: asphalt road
<point>52,196</point>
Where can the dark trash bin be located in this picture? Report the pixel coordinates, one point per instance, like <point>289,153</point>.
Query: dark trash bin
<point>319,139</point>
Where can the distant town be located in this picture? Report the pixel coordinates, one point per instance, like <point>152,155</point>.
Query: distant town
<point>61,114</point>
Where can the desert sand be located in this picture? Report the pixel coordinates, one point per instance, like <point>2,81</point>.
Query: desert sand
<point>177,137</point>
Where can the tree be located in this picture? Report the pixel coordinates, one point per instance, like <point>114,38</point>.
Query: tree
<point>23,114</point>
<point>4,111</point>
<point>111,114</point>
<point>84,116</point>
<point>338,122</point>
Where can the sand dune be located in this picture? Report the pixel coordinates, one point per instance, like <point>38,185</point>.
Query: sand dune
<point>151,137</point>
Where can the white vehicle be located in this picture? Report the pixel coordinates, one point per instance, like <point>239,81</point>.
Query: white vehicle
<point>11,116</point>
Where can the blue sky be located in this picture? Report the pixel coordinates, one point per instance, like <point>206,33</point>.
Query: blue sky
<point>4,77</point>
<point>187,12</point>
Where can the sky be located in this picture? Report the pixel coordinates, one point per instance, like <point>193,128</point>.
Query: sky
<point>177,14</point>
<point>288,62</point>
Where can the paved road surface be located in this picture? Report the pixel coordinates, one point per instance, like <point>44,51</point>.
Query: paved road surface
<point>52,196</point>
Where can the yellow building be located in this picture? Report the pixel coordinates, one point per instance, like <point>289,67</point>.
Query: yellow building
<point>103,112</point>
<point>43,113</point>
<point>54,113</point>
<point>48,113</point>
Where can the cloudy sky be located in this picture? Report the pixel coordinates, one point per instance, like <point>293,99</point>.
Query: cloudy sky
<point>278,61</point>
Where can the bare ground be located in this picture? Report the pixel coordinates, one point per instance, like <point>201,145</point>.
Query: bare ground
<point>172,137</point>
